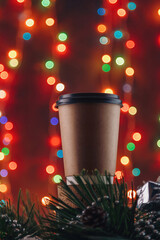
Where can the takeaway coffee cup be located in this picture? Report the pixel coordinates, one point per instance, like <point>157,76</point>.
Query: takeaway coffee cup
<point>89,125</point>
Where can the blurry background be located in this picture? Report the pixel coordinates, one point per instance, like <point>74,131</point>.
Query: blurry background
<point>49,48</point>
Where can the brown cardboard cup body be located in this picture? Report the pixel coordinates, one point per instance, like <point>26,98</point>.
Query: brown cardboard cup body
<point>89,133</point>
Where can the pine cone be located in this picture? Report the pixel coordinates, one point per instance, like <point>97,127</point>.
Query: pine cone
<point>94,216</point>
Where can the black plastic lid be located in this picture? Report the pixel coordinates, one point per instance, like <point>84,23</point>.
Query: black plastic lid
<point>88,97</point>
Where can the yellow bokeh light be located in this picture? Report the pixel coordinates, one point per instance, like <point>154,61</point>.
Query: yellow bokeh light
<point>3,188</point>
<point>51,80</point>
<point>61,48</point>
<point>29,22</point>
<point>13,63</point>
<point>136,136</point>
<point>106,58</point>
<point>119,174</point>
<point>125,107</point>
<point>102,28</point>
<point>159,11</point>
<point>50,22</point>
<point>124,160</point>
<point>3,94</point>
<point>129,71</point>
<point>20,1</point>
<point>1,156</point>
<point>1,67</point>
<point>132,110</point>
<point>4,75</point>
<point>12,54</point>
<point>121,12</point>
<point>60,87</point>
<point>131,194</point>
<point>45,200</point>
<point>109,90</point>
<point>112,1</point>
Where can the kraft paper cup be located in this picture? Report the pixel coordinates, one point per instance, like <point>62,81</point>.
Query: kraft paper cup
<point>89,125</point>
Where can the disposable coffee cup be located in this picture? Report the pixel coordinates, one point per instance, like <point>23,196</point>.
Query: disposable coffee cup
<point>89,125</point>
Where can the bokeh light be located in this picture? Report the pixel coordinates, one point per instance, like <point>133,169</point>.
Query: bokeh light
<point>119,175</point>
<point>54,108</point>
<point>136,136</point>
<point>118,34</point>
<point>121,12</point>
<point>61,48</point>
<point>8,137</point>
<point>106,67</point>
<point>101,11</point>
<point>26,36</point>
<point>108,90</point>
<point>9,126</point>
<point>29,22</point>
<point>5,151</point>
<point>51,81</point>
<point>4,173</point>
<point>131,194</point>
<point>60,87</point>
<point>4,75</point>
<point>124,160</point>
<point>60,153</point>
<point>158,143</point>
<point>136,172</point>
<point>13,63</point>
<point>125,107</point>
<point>12,54</point>
<point>54,121</point>
<point>20,1</point>
<point>112,1</point>
<point>49,64</point>
<point>50,22</point>
<point>55,141</point>
<point>1,156</point>
<point>3,94</point>
<point>120,61</point>
<point>1,67</point>
<point>131,6</point>
<point>158,11</point>
<point>127,88</point>
<point>106,58</point>
<point>45,200</point>
<point>104,40</point>
<point>12,165</point>
<point>62,37</point>
<point>102,28</point>
<point>130,44</point>
<point>45,3</point>
<point>132,110</point>
<point>50,169</point>
<point>57,178</point>
<point>3,119</point>
<point>3,188</point>
<point>129,71</point>
<point>130,146</point>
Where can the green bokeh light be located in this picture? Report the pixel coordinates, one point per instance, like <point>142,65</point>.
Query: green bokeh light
<point>120,61</point>
<point>106,67</point>
<point>57,178</point>
<point>158,143</point>
<point>130,146</point>
<point>49,64</point>
<point>62,37</point>
<point>5,151</point>
<point>45,3</point>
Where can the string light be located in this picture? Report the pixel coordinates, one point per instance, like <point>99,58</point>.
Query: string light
<point>136,136</point>
<point>104,40</point>
<point>50,169</point>
<point>130,44</point>
<point>109,91</point>
<point>54,121</point>
<point>54,108</point>
<point>132,110</point>
<point>101,28</point>
<point>45,3</point>
<point>45,200</point>
<point>131,6</point>
<point>60,87</point>
<point>3,94</point>
<point>131,194</point>
<point>61,48</point>
<point>119,175</point>
<point>60,153</point>
<point>26,36</point>
<point>125,107</point>
<point>4,173</point>
<point>13,63</point>
<point>106,67</point>
<point>51,80</point>
<point>136,172</point>
<point>118,34</point>
<point>5,151</point>
<point>29,22</point>
<point>50,22</point>
<point>12,54</point>
<point>3,188</point>
<point>131,146</point>
<point>20,1</point>
<point>55,141</point>
<point>3,119</point>
<point>1,156</point>
<point>12,165</point>
<point>129,71</point>
<point>158,143</point>
<point>8,126</point>
<point>62,37</point>
<point>112,1</point>
<point>106,58</point>
<point>101,11</point>
<point>57,178</point>
<point>120,61</point>
<point>1,67</point>
<point>124,160</point>
<point>4,75</point>
<point>121,12</point>
<point>49,64</point>
<point>159,11</point>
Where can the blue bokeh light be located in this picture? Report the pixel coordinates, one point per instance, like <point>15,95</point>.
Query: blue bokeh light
<point>54,121</point>
<point>26,36</point>
<point>136,172</point>
<point>118,34</point>
<point>60,153</point>
<point>131,6</point>
<point>3,120</point>
<point>101,11</point>
<point>4,173</point>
